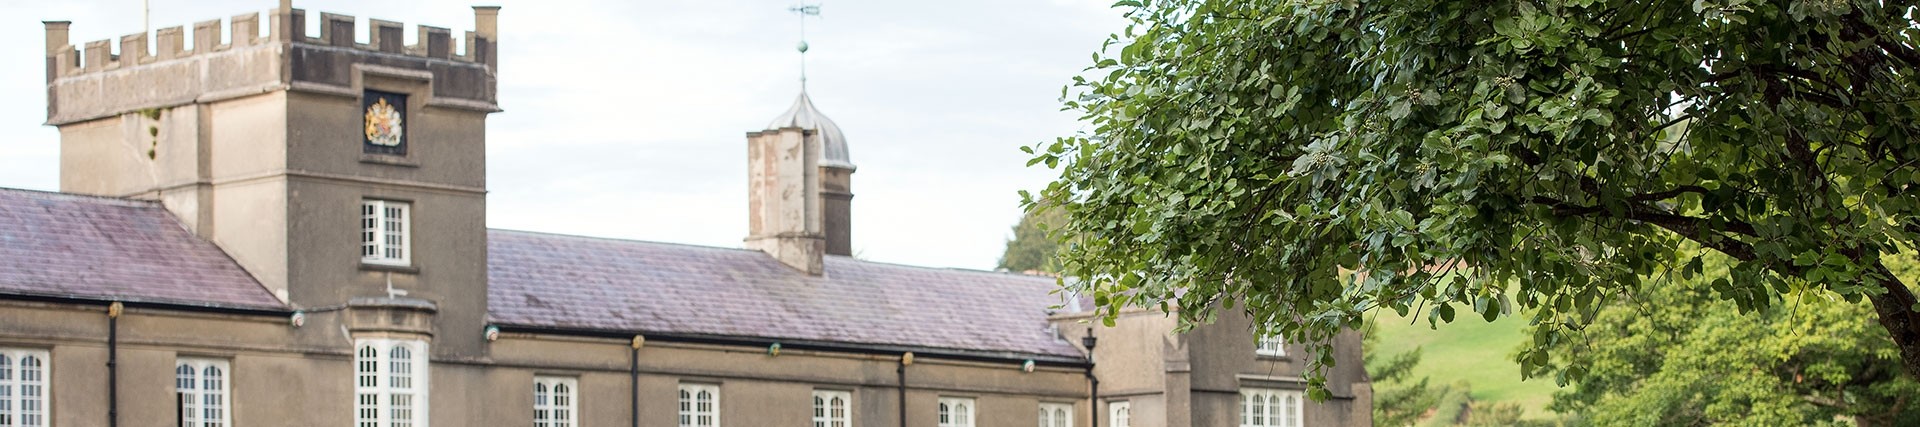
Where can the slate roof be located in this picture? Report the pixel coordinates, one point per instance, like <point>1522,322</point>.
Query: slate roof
<point>65,245</point>
<point>574,282</point>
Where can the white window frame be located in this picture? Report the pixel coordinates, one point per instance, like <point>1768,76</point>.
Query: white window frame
<point>556,401</point>
<point>1270,345</point>
<point>1261,407</point>
<point>199,392</point>
<point>1120,413</point>
<point>823,415</point>
<point>690,411</point>
<point>1056,415</point>
<point>956,412</point>
<point>14,382</point>
<point>375,377</point>
<point>380,242</point>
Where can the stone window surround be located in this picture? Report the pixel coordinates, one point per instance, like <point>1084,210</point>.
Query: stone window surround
<point>416,85</point>
<point>380,232</point>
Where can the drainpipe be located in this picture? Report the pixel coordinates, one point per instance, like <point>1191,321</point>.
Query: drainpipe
<point>905,359</point>
<point>113,360</point>
<point>1093,382</point>
<point>632,376</point>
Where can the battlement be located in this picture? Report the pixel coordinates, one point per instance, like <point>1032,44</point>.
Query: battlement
<point>335,30</point>
<point>94,80</point>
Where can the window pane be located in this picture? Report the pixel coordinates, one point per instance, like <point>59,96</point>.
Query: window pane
<point>1259,410</point>
<point>214,387</point>
<point>1293,411</point>
<point>369,367</point>
<point>31,399</point>
<point>6,390</point>
<point>402,410</point>
<point>369,410</point>
<point>401,364</point>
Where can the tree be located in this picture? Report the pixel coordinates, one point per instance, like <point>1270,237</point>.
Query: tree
<point>1677,355</point>
<point>1398,398</point>
<point>1251,154</point>
<point>1031,248</point>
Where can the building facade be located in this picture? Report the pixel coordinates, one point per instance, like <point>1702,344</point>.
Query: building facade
<point>289,230</point>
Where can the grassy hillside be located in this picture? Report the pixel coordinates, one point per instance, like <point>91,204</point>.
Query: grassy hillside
<point>1469,349</point>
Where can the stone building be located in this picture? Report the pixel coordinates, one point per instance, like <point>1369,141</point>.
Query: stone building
<point>290,230</point>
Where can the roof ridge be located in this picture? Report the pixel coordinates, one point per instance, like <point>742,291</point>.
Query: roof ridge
<point>618,239</point>
<point>77,196</point>
<point>719,248</point>
<point>953,269</point>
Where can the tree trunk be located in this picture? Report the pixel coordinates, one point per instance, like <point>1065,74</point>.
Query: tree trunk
<point>1895,307</point>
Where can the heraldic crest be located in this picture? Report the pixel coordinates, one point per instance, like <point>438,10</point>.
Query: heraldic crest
<point>383,124</point>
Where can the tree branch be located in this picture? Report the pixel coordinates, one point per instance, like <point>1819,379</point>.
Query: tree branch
<point>1663,195</point>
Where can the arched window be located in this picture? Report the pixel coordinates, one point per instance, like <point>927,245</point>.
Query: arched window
<point>213,386</point>
<point>956,412</point>
<point>390,386</point>
<point>699,405</point>
<point>553,401</point>
<point>1267,407</point>
<point>830,408</point>
<point>1122,413</point>
<point>400,386</point>
<point>1056,415</point>
<point>187,392</point>
<point>23,388</point>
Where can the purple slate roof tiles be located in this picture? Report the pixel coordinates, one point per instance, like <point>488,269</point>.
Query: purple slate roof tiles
<point>65,245</point>
<point>559,281</point>
<point>97,248</point>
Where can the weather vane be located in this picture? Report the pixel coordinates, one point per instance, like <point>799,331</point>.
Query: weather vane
<point>805,10</point>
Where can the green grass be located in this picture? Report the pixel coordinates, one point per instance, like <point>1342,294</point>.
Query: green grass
<point>1469,349</point>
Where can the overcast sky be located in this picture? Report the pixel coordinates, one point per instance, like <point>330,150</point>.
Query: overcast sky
<point>628,118</point>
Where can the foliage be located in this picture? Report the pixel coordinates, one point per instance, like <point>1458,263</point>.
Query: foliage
<point>1031,248</point>
<point>1677,355</point>
<point>1399,399</point>
<point>1491,414</point>
<point>1248,154</point>
<point>1480,352</point>
<point>1452,408</point>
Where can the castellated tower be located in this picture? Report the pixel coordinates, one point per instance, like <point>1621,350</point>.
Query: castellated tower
<point>339,174</point>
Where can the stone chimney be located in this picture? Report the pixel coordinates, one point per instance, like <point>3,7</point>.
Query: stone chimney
<point>800,191</point>
<point>783,202</point>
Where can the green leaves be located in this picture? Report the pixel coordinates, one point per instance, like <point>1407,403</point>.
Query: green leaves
<point>1315,160</point>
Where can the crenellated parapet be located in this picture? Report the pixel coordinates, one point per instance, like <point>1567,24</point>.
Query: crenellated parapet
<point>109,77</point>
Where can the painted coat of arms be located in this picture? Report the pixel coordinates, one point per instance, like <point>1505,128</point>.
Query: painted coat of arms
<point>383,124</point>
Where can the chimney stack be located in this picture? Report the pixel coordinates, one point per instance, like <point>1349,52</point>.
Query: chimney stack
<point>800,188</point>
<point>783,197</point>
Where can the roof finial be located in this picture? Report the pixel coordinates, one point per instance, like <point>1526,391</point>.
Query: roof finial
<point>805,10</point>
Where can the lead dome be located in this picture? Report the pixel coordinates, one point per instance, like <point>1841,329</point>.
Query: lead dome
<point>804,115</point>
